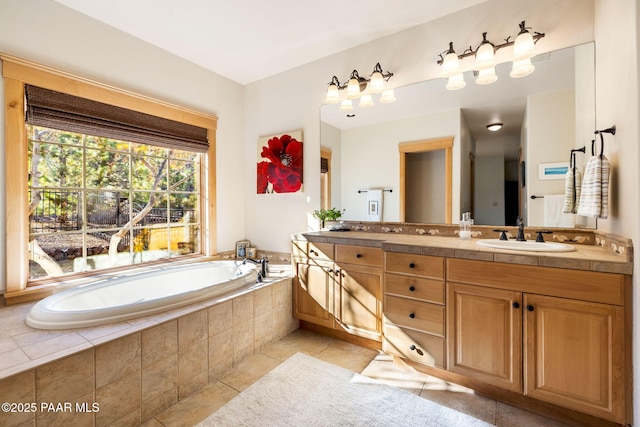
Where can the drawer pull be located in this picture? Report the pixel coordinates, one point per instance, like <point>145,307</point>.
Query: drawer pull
<point>412,288</point>
<point>530,307</point>
<point>412,265</point>
<point>416,349</point>
<point>516,305</point>
<point>412,315</point>
<point>313,252</point>
<point>358,255</point>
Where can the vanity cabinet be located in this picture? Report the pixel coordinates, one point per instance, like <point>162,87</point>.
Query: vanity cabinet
<point>359,295</point>
<point>555,335</point>
<point>414,308</point>
<point>339,287</point>
<point>314,290</point>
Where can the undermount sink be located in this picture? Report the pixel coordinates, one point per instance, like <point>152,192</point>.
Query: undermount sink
<point>526,246</point>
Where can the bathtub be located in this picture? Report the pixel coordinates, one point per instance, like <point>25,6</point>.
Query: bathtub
<point>139,294</point>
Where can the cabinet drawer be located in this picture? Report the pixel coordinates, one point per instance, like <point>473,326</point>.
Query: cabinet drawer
<point>311,250</point>
<point>362,255</point>
<point>419,265</point>
<point>415,287</point>
<point>419,315</point>
<point>413,345</point>
<point>607,288</point>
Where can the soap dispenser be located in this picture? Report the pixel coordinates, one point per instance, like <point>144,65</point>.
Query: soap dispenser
<point>465,226</point>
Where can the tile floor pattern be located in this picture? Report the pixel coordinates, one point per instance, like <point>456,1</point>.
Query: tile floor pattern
<point>374,364</point>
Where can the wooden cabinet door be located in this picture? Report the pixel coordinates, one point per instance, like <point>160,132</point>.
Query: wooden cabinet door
<point>359,301</point>
<point>314,293</point>
<point>484,334</point>
<point>574,355</point>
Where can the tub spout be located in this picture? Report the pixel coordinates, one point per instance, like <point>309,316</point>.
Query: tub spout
<point>264,266</point>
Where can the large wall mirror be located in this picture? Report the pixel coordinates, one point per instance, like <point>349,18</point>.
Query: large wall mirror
<point>494,174</point>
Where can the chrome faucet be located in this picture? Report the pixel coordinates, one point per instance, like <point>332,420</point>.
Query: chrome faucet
<point>264,266</point>
<point>520,224</point>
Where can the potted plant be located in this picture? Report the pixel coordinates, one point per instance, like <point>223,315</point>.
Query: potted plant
<point>327,214</point>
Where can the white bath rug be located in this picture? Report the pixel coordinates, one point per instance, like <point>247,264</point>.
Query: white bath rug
<point>305,391</point>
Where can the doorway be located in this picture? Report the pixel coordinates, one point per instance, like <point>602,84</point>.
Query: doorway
<point>426,180</point>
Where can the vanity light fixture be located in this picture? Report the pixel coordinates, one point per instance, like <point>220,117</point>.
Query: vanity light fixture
<point>360,87</point>
<point>523,50</point>
<point>493,127</point>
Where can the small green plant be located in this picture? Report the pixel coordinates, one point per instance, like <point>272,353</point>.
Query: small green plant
<point>327,214</point>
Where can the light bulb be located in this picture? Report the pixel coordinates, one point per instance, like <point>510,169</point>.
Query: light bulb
<point>366,101</point>
<point>353,88</point>
<point>333,94</point>
<point>388,96</point>
<point>456,82</point>
<point>346,105</point>
<point>450,63</point>
<point>487,76</point>
<point>377,82</point>
<point>522,68</point>
<point>523,48</point>
<point>485,57</point>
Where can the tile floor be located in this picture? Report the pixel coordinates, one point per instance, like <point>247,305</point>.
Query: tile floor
<point>382,367</point>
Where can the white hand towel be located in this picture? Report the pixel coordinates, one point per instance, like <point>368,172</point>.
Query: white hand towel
<point>594,197</point>
<point>374,204</point>
<point>553,215</point>
<point>572,189</point>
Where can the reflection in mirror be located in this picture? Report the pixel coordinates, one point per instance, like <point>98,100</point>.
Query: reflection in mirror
<point>494,174</point>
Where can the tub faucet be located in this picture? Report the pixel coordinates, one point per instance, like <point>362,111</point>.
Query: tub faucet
<point>264,266</point>
<point>520,224</point>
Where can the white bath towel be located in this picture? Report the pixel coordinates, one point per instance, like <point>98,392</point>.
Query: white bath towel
<point>553,215</point>
<point>374,204</point>
<point>572,189</point>
<point>594,197</point>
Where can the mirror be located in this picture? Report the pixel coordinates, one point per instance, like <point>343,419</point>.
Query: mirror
<point>494,174</point>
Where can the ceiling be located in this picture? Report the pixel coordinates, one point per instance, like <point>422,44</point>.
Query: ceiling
<point>249,40</point>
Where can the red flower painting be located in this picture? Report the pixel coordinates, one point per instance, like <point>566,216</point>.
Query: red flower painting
<point>280,164</point>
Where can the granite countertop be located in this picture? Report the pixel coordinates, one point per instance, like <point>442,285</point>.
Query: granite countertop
<point>585,257</point>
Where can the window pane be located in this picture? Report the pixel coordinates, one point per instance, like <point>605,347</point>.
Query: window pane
<point>55,210</point>
<point>106,143</point>
<point>149,150</point>
<point>183,175</point>
<point>183,207</point>
<point>148,171</point>
<point>107,209</point>
<point>52,135</point>
<point>58,165</point>
<point>106,169</point>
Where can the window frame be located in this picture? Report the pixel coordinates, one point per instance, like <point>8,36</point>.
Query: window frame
<point>16,73</point>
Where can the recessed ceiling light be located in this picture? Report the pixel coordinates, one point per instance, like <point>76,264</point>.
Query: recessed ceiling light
<point>494,126</point>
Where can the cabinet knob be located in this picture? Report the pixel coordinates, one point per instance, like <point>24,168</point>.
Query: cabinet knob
<point>516,305</point>
<point>358,255</point>
<point>412,265</point>
<point>412,347</point>
<point>530,307</point>
<point>412,315</point>
<point>412,288</point>
<point>313,252</point>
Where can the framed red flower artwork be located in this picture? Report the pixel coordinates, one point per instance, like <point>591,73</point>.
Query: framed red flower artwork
<point>280,163</point>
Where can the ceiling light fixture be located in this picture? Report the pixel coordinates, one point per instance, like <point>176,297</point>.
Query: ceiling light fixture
<point>523,50</point>
<point>360,87</point>
<point>493,127</point>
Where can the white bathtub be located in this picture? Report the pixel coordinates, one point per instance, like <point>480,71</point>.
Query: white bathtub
<point>139,294</point>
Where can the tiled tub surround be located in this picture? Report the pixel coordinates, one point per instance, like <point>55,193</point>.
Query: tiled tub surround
<point>134,370</point>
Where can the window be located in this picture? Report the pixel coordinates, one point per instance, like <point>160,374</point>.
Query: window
<point>100,183</point>
<point>97,202</point>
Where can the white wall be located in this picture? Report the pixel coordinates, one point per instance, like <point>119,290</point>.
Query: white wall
<point>549,117</point>
<point>617,25</point>
<point>426,189</point>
